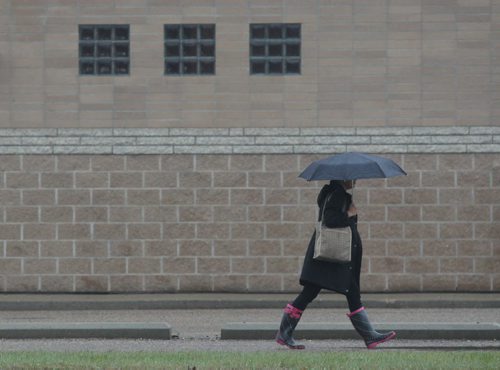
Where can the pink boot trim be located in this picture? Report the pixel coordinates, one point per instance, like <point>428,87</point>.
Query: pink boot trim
<point>355,312</point>
<point>294,312</point>
<point>375,344</point>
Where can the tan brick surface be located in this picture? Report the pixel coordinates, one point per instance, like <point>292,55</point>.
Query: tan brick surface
<point>487,231</point>
<point>75,266</point>
<point>404,283</point>
<point>21,180</point>
<point>374,247</point>
<point>56,283</point>
<point>73,197</point>
<point>73,163</point>
<point>374,282</point>
<point>386,264</point>
<point>107,197</point>
<point>160,214</point>
<point>160,283</point>
<point>94,284</point>
<point>56,214</point>
<point>92,214</point>
<point>272,282</point>
<point>195,179</point>
<point>21,214</point>
<point>37,163</point>
<point>386,230</point>
<point>143,163</point>
<point>57,180</point>
<point>160,180</point>
<point>439,282</point>
<point>15,283</point>
<point>74,231</point>
<point>53,248</point>
<point>11,266</point>
<point>11,163</point>
<point>10,197</point>
<point>143,265</point>
<point>39,231</point>
<point>386,196</point>
<point>230,247</point>
<point>473,282</point>
<point>195,283</point>
<point>230,283</point>
<point>10,231</point>
<point>38,197</point>
<point>91,180</point>
<point>409,248</point>
<point>235,235</point>
<point>474,248</point>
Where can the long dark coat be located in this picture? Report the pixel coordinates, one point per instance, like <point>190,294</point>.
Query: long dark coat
<point>330,275</point>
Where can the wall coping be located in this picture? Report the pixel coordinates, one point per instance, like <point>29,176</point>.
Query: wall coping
<point>123,141</point>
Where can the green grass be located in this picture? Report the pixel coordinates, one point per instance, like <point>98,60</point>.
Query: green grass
<point>255,360</point>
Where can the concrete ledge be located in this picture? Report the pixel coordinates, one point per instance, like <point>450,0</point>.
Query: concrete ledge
<point>130,141</point>
<point>416,331</point>
<point>74,302</point>
<point>105,330</point>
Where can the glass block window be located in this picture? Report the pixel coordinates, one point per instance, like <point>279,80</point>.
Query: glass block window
<point>275,48</point>
<point>189,49</point>
<point>104,49</point>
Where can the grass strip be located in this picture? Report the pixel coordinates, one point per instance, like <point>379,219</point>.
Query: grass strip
<point>253,360</point>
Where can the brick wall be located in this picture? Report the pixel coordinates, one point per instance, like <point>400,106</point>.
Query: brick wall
<point>200,222</point>
<point>150,182</point>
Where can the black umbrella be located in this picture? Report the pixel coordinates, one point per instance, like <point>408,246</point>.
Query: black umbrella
<point>351,166</point>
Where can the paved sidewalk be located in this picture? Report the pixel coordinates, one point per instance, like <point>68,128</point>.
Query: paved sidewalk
<point>200,328</point>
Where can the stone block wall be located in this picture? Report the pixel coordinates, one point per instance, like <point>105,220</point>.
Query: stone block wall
<point>232,222</point>
<point>147,182</point>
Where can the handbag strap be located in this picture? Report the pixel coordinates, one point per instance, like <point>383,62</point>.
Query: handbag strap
<point>324,206</point>
<point>344,206</point>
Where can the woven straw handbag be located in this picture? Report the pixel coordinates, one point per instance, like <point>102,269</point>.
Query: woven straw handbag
<point>332,244</point>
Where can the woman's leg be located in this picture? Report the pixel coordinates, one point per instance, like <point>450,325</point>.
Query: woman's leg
<point>354,297</point>
<point>308,294</point>
<point>292,314</point>
<point>354,293</point>
<point>357,315</point>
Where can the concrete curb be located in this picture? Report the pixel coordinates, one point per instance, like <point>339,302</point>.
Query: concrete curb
<point>414,331</point>
<point>75,302</point>
<point>104,330</point>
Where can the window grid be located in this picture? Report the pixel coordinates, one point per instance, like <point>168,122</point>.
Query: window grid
<point>189,49</point>
<point>275,48</point>
<point>104,50</point>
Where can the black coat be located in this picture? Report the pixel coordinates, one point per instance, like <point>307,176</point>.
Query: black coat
<point>330,275</point>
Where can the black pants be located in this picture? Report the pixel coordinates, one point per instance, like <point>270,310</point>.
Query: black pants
<point>311,291</point>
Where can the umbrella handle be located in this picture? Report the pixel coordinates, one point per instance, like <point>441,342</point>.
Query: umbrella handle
<point>351,192</point>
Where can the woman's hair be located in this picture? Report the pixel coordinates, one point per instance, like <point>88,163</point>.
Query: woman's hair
<point>340,182</point>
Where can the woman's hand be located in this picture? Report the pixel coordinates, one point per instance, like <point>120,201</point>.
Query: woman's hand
<point>352,211</point>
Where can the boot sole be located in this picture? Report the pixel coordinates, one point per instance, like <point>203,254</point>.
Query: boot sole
<point>282,342</point>
<point>373,345</point>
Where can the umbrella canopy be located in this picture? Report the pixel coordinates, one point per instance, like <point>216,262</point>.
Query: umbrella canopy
<point>351,166</point>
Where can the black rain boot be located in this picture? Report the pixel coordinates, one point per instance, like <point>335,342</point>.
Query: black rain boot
<point>372,338</point>
<point>291,317</point>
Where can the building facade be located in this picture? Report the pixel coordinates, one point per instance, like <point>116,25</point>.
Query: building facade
<point>154,145</point>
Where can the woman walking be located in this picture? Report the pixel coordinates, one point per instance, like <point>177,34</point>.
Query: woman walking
<point>343,278</point>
